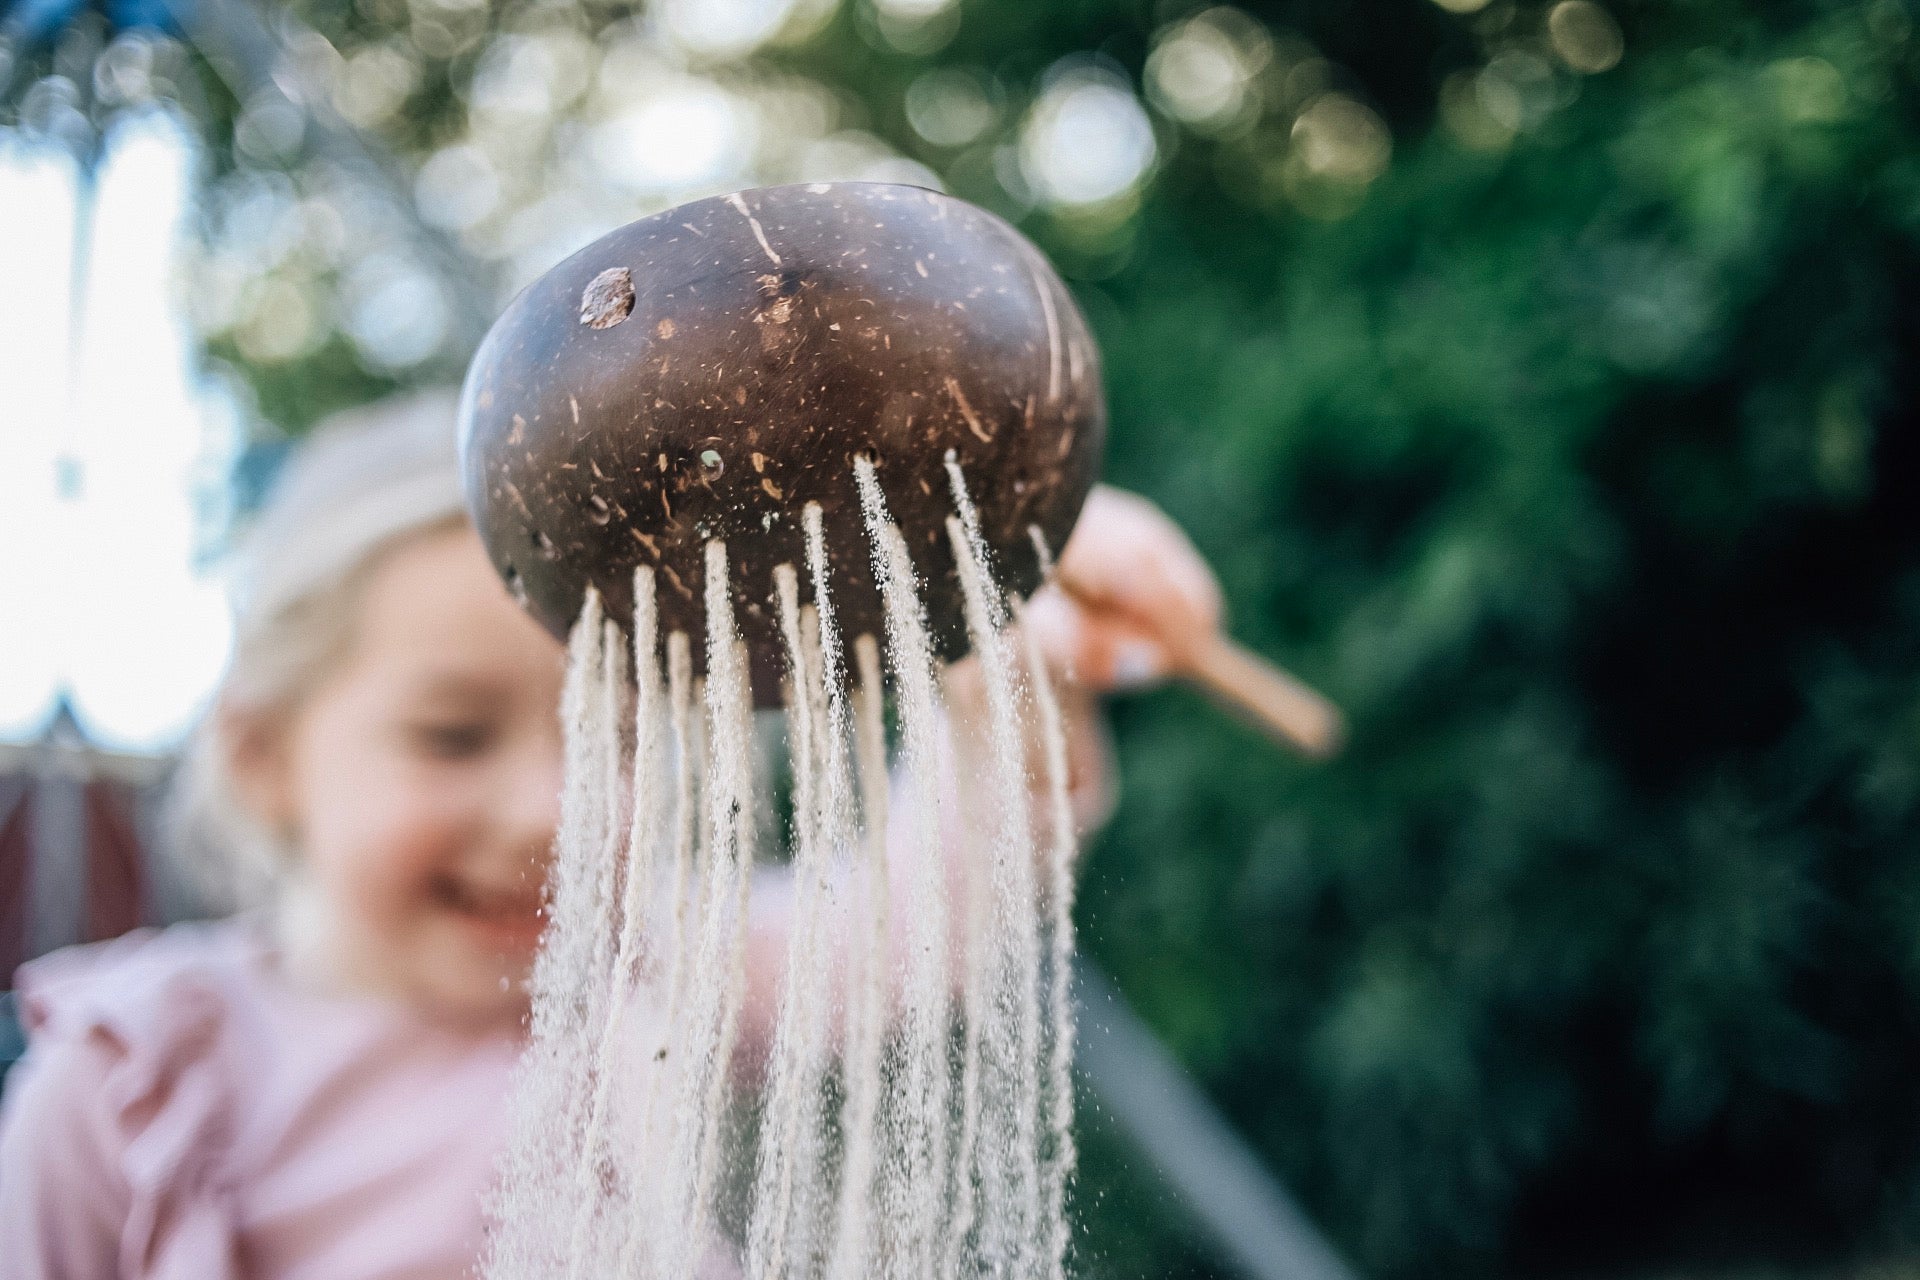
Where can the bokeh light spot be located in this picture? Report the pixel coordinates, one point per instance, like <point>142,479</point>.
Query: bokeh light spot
<point>456,187</point>
<point>374,83</point>
<point>1202,71</point>
<point>1087,140</point>
<point>397,316</point>
<point>723,29</point>
<point>689,136</point>
<point>279,324</point>
<point>1342,139</point>
<point>1809,90</point>
<point>1585,36</point>
<point>950,107</point>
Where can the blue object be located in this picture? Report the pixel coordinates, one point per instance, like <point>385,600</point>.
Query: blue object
<point>13,1041</point>
<point>39,21</point>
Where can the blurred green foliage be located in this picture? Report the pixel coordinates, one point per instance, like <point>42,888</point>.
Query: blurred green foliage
<point>1573,450</point>
<point>1581,468</point>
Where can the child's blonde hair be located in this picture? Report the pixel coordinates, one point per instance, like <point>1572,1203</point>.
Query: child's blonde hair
<point>362,482</point>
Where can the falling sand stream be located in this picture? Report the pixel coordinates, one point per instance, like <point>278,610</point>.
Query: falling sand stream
<point>910,1114</point>
<point>798,1013</point>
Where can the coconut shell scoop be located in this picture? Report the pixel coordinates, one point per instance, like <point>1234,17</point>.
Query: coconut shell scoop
<point>710,371</point>
<point>707,372</point>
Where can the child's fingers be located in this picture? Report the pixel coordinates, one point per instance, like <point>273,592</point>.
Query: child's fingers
<point>1127,557</point>
<point>1094,647</point>
<point>1133,554</point>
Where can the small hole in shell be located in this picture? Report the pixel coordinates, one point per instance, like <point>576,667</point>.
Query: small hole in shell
<point>515,587</point>
<point>712,463</point>
<point>607,299</point>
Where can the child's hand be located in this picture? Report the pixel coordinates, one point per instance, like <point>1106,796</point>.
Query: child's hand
<point>1136,595</point>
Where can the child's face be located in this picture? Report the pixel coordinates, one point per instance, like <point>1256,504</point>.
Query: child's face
<point>421,781</point>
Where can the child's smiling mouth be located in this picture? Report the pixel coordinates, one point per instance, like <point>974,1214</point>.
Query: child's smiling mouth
<point>508,916</point>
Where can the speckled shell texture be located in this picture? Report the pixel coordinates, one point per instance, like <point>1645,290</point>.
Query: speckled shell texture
<point>706,372</point>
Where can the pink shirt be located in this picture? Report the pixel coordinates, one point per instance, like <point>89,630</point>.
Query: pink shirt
<point>183,1114</point>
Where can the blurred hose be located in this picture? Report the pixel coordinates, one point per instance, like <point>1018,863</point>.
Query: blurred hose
<point>1253,1224</point>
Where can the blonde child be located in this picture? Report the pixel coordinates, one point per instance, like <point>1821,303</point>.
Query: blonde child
<point>315,1087</point>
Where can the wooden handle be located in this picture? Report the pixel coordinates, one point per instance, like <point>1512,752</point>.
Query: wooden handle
<point>1252,688</point>
<point>1270,699</point>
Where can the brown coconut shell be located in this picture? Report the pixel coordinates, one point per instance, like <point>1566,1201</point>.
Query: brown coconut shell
<point>706,372</point>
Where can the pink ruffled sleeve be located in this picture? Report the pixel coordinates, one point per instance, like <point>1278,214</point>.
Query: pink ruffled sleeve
<point>116,1121</point>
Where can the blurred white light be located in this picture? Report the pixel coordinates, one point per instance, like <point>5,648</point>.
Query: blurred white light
<point>723,28</point>
<point>1203,70</point>
<point>374,83</point>
<point>396,314</point>
<point>279,324</point>
<point>98,534</point>
<point>913,10</point>
<point>36,190</point>
<point>513,78</point>
<point>259,217</point>
<point>633,65</point>
<point>530,75</point>
<point>901,170</point>
<point>323,232</point>
<point>1087,140</point>
<point>1585,36</point>
<point>123,73</point>
<point>916,28</point>
<point>270,128</point>
<point>691,136</point>
<point>1463,107</point>
<point>949,107</point>
<point>1342,139</point>
<point>143,652</point>
<point>855,156</point>
<point>544,232</point>
<point>456,187</point>
<point>1517,89</point>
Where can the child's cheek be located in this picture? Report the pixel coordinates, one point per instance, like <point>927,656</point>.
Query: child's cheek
<point>384,850</point>
<point>420,842</point>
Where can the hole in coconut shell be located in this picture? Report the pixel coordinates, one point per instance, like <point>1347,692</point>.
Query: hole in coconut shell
<point>607,299</point>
